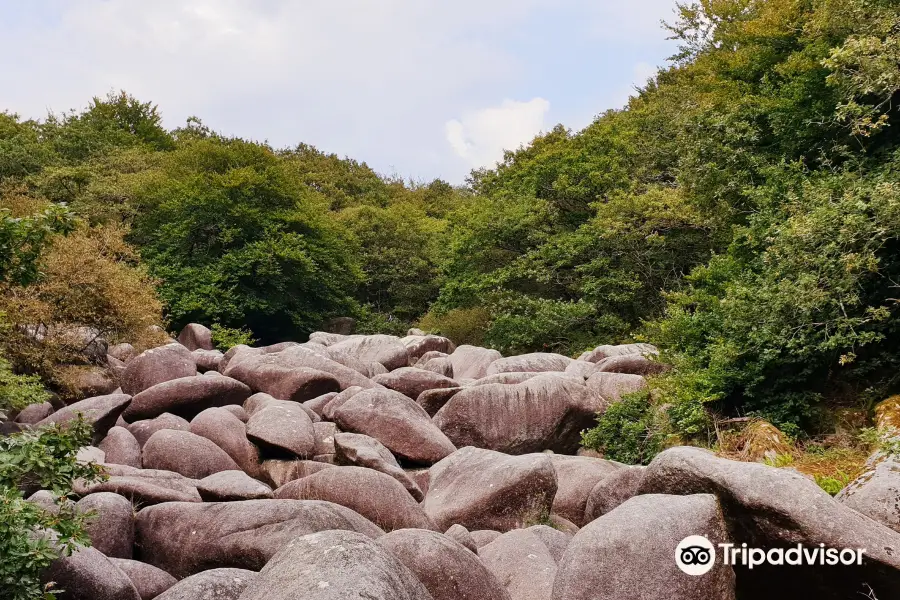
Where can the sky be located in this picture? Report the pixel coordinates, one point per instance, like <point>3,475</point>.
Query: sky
<point>415,88</point>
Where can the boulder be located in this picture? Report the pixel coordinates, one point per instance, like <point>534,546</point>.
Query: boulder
<point>237,411</point>
<point>483,537</point>
<point>612,491</point>
<point>208,360</point>
<point>411,381</point>
<point>472,362</point>
<point>601,352</point>
<point>294,357</point>
<point>121,448</point>
<point>509,378</point>
<point>231,486</point>
<point>34,413</point>
<point>354,449</point>
<point>376,496</point>
<point>576,476</point>
<point>876,493</point>
<point>110,523</point>
<point>101,412</point>
<point>196,337</point>
<point>143,486</point>
<point>186,397</point>
<point>215,584</point>
<point>547,412</point>
<point>446,568</point>
<point>581,368</point>
<point>638,543</point>
<point>441,366</point>
<point>143,430</point>
<point>397,422</point>
<point>555,540</point>
<point>612,386</point>
<point>335,565</point>
<point>90,454</point>
<point>229,433</point>
<point>769,507</point>
<point>417,345</point>
<point>149,581</point>
<point>385,349</point>
<point>461,535</point>
<point>185,538</point>
<point>115,367</point>
<point>283,428</point>
<point>521,561</point>
<point>530,363</point>
<point>434,400</point>
<point>324,432</point>
<point>185,453</point>
<point>278,472</point>
<point>338,401</point>
<point>296,384</point>
<point>157,365</point>
<point>483,489</point>
<point>88,575</point>
<point>123,352</point>
<point>634,364</point>
<point>317,405</point>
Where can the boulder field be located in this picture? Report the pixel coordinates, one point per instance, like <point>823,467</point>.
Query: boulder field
<point>375,467</point>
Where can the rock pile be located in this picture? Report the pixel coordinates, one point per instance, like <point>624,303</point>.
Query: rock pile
<point>386,468</point>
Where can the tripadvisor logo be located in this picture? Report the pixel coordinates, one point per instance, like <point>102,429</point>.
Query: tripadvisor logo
<point>696,555</point>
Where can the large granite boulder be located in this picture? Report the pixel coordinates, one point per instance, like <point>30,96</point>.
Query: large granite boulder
<point>411,381</point>
<point>384,349</point>
<point>768,507</point>
<point>447,569</point>
<point>530,363</point>
<point>215,584</point>
<point>354,449</point>
<point>397,422</point>
<point>483,489</point>
<point>143,486</point>
<point>157,365</point>
<point>523,563</point>
<point>185,453</point>
<point>472,362</point>
<point>88,575</point>
<point>576,477</point>
<point>149,581</point>
<point>376,496</point>
<point>196,337</point>
<point>121,447</point>
<point>229,433</point>
<point>601,352</point>
<point>186,397</point>
<point>231,486</point>
<point>417,345</point>
<point>283,428</point>
<point>547,412</point>
<point>101,412</point>
<point>144,430</point>
<point>335,565</point>
<point>612,386</point>
<point>638,543</point>
<point>185,538</point>
<point>110,523</point>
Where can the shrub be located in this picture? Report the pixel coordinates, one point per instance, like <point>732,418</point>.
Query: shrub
<point>224,338</point>
<point>462,325</point>
<point>629,431</point>
<point>31,538</point>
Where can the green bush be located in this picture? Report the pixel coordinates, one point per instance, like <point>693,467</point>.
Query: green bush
<point>44,459</point>
<point>461,325</point>
<point>629,431</point>
<point>224,338</point>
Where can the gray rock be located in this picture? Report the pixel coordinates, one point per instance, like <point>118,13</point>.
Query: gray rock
<point>208,360</point>
<point>122,448</point>
<point>530,363</point>
<point>110,524</point>
<point>354,449</point>
<point>143,486</point>
<point>229,433</point>
<point>461,535</point>
<point>634,364</point>
<point>185,453</point>
<point>576,477</point>
<point>770,507</point>
<point>446,568</point>
<point>612,386</point>
<point>101,412</point>
<point>34,413</point>
<point>384,349</point>
<point>555,540</point>
<point>411,382</point>
<point>876,493</point>
<point>418,345</point>
<point>279,472</point>
<point>522,563</point>
<point>230,486</point>
<point>482,489</point>
<point>156,366</point>
<point>612,491</point>
<point>283,427</point>
<point>601,352</point>
<point>434,400</point>
<point>472,362</point>
<point>123,352</point>
<point>186,397</point>
<point>196,337</point>
<point>335,565</point>
<point>215,584</point>
<point>88,575</point>
<point>143,430</point>
<point>638,541</point>
<point>184,538</point>
<point>149,581</point>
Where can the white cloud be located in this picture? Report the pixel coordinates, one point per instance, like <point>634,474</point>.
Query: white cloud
<point>375,80</point>
<point>481,136</point>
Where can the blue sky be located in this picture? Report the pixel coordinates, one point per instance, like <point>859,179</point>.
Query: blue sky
<point>416,88</point>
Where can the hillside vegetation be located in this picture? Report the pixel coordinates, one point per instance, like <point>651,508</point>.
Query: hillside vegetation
<point>742,213</point>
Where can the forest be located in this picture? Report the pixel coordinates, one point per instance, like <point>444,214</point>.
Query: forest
<point>742,213</point>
